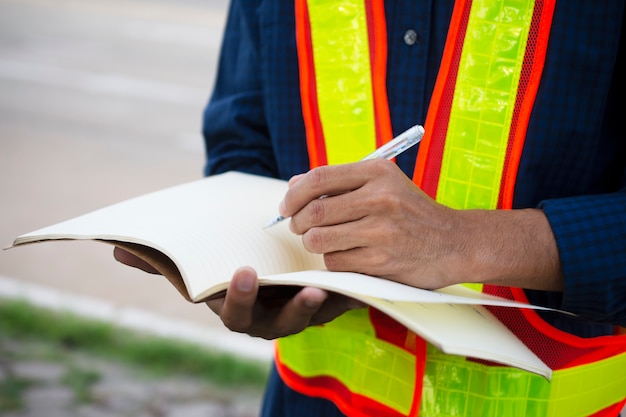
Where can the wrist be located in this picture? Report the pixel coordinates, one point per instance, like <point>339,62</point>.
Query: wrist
<point>508,247</point>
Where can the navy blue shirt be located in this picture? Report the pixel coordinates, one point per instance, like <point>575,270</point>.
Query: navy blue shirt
<point>574,158</point>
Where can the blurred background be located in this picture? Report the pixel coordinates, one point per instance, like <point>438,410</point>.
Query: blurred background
<point>100,101</point>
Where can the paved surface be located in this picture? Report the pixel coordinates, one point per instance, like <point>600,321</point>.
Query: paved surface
<point>101,100</point>
<point>75,385</point>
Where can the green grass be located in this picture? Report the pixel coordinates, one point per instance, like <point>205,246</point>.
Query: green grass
<point>80,381</point>
<point>11,389</point>
<point>160,356</point>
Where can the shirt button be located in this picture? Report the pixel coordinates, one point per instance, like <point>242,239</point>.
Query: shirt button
<point>410,37</point>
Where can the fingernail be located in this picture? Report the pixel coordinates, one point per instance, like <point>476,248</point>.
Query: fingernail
<point>312,303</point>
<point>281,207</point>
<point>245,284</point>
<point>315,299</point>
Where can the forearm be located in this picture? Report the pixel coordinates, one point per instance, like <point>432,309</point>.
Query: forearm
<point>575,245</point>
<point>508,247</point>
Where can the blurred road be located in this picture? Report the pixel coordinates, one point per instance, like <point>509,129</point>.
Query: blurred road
<point>100,101</point>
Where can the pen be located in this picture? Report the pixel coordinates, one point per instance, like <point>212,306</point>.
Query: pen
<point>391,149</point>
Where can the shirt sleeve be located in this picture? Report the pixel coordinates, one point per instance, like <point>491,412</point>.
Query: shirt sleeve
<point>590,229</point>
<point>590,232</point>
<point>234,125</point>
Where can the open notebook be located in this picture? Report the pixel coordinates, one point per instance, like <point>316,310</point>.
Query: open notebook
<point>197,234</point>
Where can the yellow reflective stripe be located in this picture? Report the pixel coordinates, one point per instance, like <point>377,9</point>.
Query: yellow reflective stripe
<point>348,350</point>
<point>482,108</point>
<point>475,287</point>
<point>454,386</point>
<point>343,78</point>
<point>586,389</point>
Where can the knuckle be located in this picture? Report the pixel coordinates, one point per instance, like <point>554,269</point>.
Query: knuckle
<point>316,212</point>
<point>379,261</point>
<point>317,177</point>
<point>369,261</point>
<point>384,201</point>
<point>381,166</point>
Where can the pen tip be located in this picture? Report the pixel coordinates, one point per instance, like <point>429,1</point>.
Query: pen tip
<point>274,221</point>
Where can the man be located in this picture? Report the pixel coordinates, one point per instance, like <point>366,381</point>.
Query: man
<point>519,183</point>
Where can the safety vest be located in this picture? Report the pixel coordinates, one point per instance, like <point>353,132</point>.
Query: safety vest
<point>365,362</point>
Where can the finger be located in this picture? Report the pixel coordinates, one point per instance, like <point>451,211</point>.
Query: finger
<point>333,210</point>
<point>237,309</point>
<point>322,181</point>
<point>295,179</point>
<point>292,180</point>
<point>129,259</point>
<point>297,313</point>
<point>342,237</point>
<point>334,306</point>
<point>369,261</point>
<point>216,304</point>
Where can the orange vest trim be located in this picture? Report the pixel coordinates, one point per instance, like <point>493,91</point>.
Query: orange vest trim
<point>558,349</point>
<point>332,389</point>
<point>534,60</point>
<point>611,411</point>
<point>377,37</point>
<point>428,166</point>
<point>375,10</point>
<point>431,147</point>
<point>308,90</point>
<point>350,401</point>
